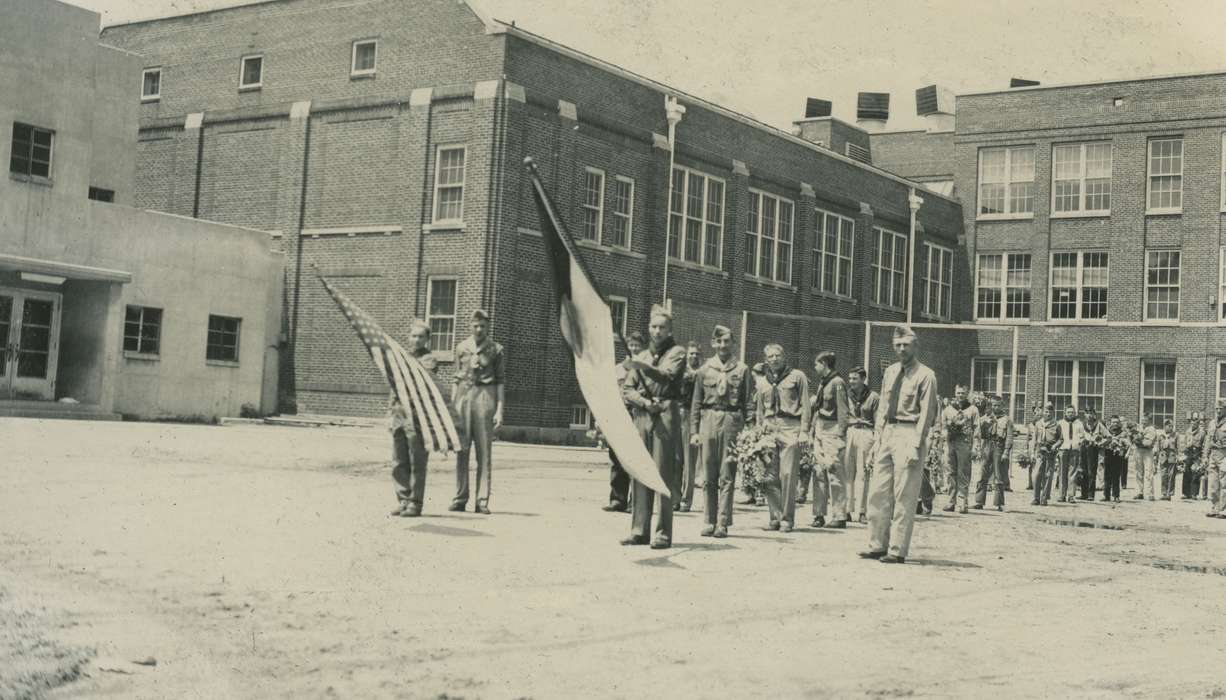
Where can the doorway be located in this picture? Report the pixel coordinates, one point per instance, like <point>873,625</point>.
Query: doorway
<point>29,343</point>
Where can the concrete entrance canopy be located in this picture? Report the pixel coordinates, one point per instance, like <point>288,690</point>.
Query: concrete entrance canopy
<point>19,264</point>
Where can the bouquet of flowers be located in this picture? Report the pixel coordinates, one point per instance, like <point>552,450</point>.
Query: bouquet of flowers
<point>754,448</point>
<point>961,426</point>
<point>1049,438</point>
<point>1192,461</point>
<point>1139,436</point>
<point>935,462</point>
<point>1118,443</point>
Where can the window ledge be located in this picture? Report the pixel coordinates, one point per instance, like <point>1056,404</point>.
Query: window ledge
<point>1005,217</point>
<point>529,232</point>
<point>221,363</point>
<point>32,179</point>
<point>608,249</point>
<point>443,226</point>
<point>1164,212</point>
<point>1004,321</point>
<point>151,98</point>
<point>887,307</point>
<point>674,262</point>
<point>1082,215</point>
<point>831,295</point>
<point>1075,322</point>
<point>146,356</point>
<point>1168,322</point>
<point>367,75</point>
<point>936,319</point>
<point>250,88</point>
<point>764,282</point>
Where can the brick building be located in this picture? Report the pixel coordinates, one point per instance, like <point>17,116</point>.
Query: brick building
<point>383,141</point>
<point>1093,221</point>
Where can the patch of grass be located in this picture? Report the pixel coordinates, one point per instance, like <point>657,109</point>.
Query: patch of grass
<point>31,664</point>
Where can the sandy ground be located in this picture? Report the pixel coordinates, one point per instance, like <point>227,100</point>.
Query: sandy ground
<point>256,561</point>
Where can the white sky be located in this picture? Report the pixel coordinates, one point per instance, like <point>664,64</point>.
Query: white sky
<point>764,57</point>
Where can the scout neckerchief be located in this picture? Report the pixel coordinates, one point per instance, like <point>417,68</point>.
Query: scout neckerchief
<point>856,403</point>
<point>770,398</point>
<point>821,392</point>
<point>721,373</point>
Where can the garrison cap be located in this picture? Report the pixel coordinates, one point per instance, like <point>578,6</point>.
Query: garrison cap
<point>903,331</point>
<point>481,315</point>
<point>721,332</point>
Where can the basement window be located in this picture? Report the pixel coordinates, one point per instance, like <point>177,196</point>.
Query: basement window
<point>99,194</point>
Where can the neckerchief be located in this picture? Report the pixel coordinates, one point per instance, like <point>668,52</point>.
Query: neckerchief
<point>856,403</point>
<point>722,370</point>
<point>665,345</point>
<point>770,392</point>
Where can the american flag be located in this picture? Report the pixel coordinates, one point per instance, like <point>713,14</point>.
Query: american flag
<point>411,382</point>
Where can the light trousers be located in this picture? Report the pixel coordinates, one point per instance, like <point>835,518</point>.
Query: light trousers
<point>959,454</point>
<point>836,481</point>
<point>859,445</point>
<point>1147,473</point>
<point>476,409</point>
<point>779,481</point>
<point>718,431</point>
<point>898,473</point>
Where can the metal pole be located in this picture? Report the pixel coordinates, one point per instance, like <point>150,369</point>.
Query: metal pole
<point>1013,381</point>
<point>744,332</point>
<point>868,332</point>
<point>913,203</point>
<point>673,112</point>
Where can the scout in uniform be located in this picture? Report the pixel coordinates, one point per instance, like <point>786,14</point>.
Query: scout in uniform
<point>783,399</point>
<point>830,481</point>
<point>718,411</point>
<point>1047,443</point>
<point>1095,434</point>
<point>1115,460</point>
<point>653,390</point>
<point>619,480</point>
<point>909,392</point>
<point>997,446</point>
<point>862,404</point>
<point>409,456</point>
<point>478,396</point>
<point>1071,434</point>
<point>1214,453</point>
<point>1168,458</point>
<point>1192,443</point>
<point>1147,469</point>
<point>959,420</point>
<point>688,459</point>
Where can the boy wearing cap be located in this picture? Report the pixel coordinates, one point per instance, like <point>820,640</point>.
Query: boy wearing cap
<point>409,456</point>
<point>960,419</point>
<point>1095,435</point>
<point>862,405</point>
<point>718,411</point>
<point>478,395</point>
<point>997,445</point>
<point>688,459</point>
<point>830,481</point>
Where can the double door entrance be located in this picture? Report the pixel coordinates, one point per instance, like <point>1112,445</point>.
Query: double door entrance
<point>29,343</point>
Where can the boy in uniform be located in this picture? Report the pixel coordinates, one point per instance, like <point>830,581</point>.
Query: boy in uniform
<point>409,456</point>
<point>718,411</point>
<point>478,395</point>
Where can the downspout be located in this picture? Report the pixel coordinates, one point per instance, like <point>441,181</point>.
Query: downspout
<point>913,203</point>
<point>673,111</point>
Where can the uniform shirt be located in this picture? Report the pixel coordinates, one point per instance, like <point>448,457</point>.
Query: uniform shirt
<point>862,411</point>
<point>967,418</point>
<point>999,428</point>
<point>830,401</point>
<point>784,395</point>
<point>917,396</point>
<point>1099,430</point>
<point>620,371</point>
<point>1168,446</point>
<point>638,389</point>
<point>687,383</point>
<point>398,416</point>
<point>479,365</point>
<point>1048,434</point>
<point>720,387</point>
<point>1071,434</point>
<point>1215,440</point>
<point>1191,442</point>
<point>1149,438</point>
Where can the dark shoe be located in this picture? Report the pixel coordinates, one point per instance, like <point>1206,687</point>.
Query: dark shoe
<point>748,501</point>
<point>847,518</point>
<point>634,540</point>
<point>1035,502</point>
<point>676,507</point>
<point>457,507</point>
<point>1139,497</point>
<point>685,507</point>
<point>818,521</point>
<point>919,508</point>
<point>837,525</point>
<point>1106,499</point>
<point>1000,509</point>
<point>615,508</point>
<point>871,555</point>
<point>708,531</point>
<point>412,510</point>
<point>893,559</point>
<point>978,506</point>
<point>1117,499</point>
<point>962,510</point>
<point>398,510</point>
<point>661,543</point>
<point>720,532</point>
<point>800,500</point>
<point>785,526</point>
<point>927,510</point>
<point>949,508</point>
<point>482,509</point>
<point>771,526</point>
<point>863,519</point>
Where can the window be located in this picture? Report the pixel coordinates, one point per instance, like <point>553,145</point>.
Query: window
<point>1006,182</point>
<point>832,258</point>
<point>1079,285</point>
<point>151,84</point>
<point>31,151</point>
<point>1081,178</point>
<point>99,194</point>
<point>617,308</point>
<point>938,280</point>
<point>1221,288</point>
<point>142,330</point>
<point>365,57</point>
<point>449,184</point>
<point>1223,178</point>
<point>1165,176</point>
<point>992,375</point>
<point>222,344</point>
<point>1221,379</point>
<point>1077,383</point>
<point>768,245</point>
<point>618,235</point>
<point>593,204</point>
<point>580,417</point>
<point>1162,285</point>
<point>696,218</point>
<point>890,269</point>
<point>251,72</point>
<point>1158,390</point>
<point>441,312</point>
<point>1002,287</point>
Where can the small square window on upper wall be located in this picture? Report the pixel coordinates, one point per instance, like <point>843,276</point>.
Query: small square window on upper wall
<point>251,72</point>
<point>365,57</point>
<point>151,85</point>
<point>30,152</point>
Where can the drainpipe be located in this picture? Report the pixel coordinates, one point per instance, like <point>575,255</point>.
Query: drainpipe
<point>913,201</point>
<point>673,111</point>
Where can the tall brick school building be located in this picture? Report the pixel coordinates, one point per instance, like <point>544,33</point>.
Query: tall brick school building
<point>383,141</point>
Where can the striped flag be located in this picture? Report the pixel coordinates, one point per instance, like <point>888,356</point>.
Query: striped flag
<point>587,327</point>
<point>412,383</point>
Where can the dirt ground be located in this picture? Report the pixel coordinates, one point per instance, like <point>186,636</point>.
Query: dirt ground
<point>256,561</point>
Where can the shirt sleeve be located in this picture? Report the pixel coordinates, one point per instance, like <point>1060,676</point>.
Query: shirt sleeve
<point>806,411</point>
<point>927,402</point>
<point>842,409</point>
<point>746,397</point>
<point>500,361</point>
<point>672,364</point>
<point>696,403</point>
<point>887,378</point>
<point>632,392</point>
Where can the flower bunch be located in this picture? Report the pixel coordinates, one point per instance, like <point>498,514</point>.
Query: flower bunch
<point>1119,443</point>
<point>754,448</point>
<point>935,462</point>
<point>962,425</point>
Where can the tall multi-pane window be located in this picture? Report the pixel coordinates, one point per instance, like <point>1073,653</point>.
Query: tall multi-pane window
<point>1079,282</point>
<point>1006,182</point>
<point>142,330</point>
<point>696,217</point>
<point>832,254</point>
<point>441,313</point>
<point>1165,175</point>
<point>1162,285</point>
<point>1081,178</point>
<point>890,269</point>
<point>30,153</point>
<point>1221,283</point>
<point>938,280</point>
<point>1077,383</point>
<point>449,184</point>
<point>617,309</point>
<point>994,375</point>
<point>222,342</point>
<point>1223,178</point>
<point>768,245</point>
<point>622,207</point>
<point>1002,287</point>
<point>1221,380</point>
<point>593,204</point>
<point>1158,390</point>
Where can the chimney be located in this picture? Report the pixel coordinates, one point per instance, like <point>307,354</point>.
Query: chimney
<point>1021,82</point>
<point>936,105</point>
<point>816,126</point>
<point>872,110</point>
<point>817,108</point>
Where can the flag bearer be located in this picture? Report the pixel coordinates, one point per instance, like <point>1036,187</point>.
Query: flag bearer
<point>909,392</point>
<point>409,456</point>
<point>862,405</point>
<point>478,396</point>
<point>783,399</point>
<point>718,411</point>
<point>653,390</point>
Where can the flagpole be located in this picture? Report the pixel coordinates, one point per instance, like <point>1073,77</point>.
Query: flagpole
<point>673,111</point>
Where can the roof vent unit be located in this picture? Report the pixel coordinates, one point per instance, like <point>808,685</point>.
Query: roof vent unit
<point>857,152</point>
<point>817,108</point>
<point>936,105</point>
<point>872,110</point>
